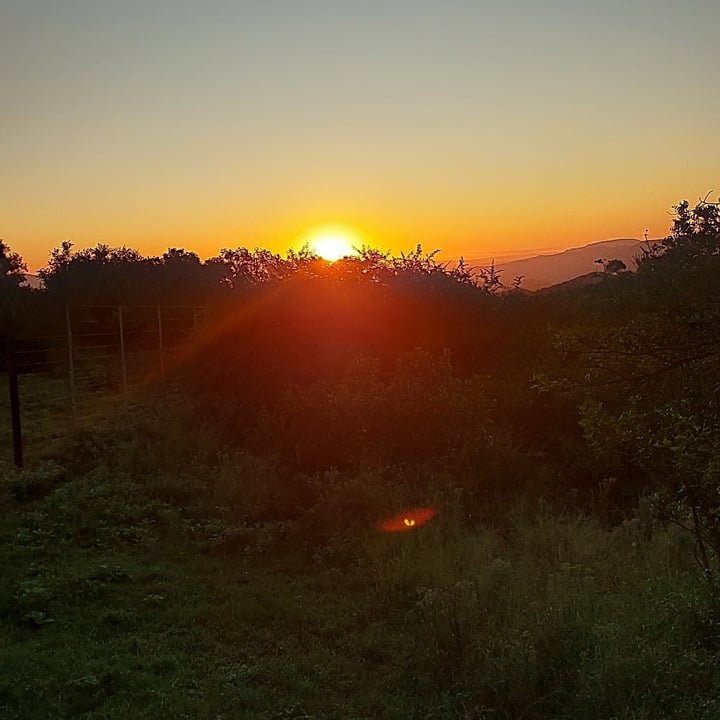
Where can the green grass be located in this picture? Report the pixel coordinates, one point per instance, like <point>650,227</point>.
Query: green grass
<point>149,573</point>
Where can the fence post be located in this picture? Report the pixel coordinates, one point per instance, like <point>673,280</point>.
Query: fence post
<point>71,361</point>
<point>122,351</point>
<point>13,388</point>
<point>160,341</point>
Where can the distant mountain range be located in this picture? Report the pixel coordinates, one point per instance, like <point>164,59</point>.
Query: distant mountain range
<point>542,271</point>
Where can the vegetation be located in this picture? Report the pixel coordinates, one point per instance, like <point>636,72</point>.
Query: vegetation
<point>213,549</point>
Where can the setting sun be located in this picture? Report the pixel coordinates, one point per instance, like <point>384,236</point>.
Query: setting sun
<point>332,242</point>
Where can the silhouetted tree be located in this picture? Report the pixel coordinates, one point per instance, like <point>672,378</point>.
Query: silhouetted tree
<point>643,363</point>
<point>613,267</point>
<point>99,275</point>
<point>241,268</point>
<point>12,267</point>
<point>695,233</point>
<point>121,275</point>
<point>490,279</point>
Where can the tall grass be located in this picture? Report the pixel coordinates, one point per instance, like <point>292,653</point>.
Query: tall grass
<point>152,569</point>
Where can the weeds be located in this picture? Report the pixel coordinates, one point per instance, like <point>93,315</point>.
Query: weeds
<point>217,583</point>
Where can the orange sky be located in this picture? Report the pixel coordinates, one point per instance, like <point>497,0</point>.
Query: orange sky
<point>481,128</point>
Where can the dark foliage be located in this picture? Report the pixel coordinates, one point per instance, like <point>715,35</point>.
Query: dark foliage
<point>384,361</point>
<point>212,551</point>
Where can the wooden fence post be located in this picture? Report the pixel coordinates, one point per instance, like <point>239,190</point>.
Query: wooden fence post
<point>71,361</point>
<point>122,352</point>
<point>160,341</point>
<point>13,388</point>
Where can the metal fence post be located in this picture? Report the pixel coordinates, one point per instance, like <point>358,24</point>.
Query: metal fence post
<point>71,361</point>
<point>122,351</point>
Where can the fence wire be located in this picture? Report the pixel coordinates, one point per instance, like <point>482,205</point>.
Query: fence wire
<point>86,362</point>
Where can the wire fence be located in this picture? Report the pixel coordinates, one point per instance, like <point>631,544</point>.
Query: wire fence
<point>85,361</point>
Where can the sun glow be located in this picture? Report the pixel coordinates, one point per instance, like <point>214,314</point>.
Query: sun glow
<point>332,242</point>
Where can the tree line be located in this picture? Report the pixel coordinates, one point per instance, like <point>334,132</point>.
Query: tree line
<point>598,396</point>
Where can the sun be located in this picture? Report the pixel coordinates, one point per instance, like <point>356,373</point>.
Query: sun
<point>332,242</point>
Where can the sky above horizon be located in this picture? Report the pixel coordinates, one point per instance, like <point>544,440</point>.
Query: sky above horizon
<point>478,127</point>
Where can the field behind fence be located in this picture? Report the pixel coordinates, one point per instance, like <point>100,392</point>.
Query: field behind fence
<point>78,364</point>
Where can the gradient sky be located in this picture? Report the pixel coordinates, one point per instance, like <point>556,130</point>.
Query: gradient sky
<point>475,126</point>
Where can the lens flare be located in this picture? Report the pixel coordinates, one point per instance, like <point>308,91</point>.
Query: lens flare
<point>408,520</point>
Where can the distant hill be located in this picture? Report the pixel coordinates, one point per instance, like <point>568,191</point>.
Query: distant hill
<point>543,271</point>
<point>32,281</point>
<point>592,278</point>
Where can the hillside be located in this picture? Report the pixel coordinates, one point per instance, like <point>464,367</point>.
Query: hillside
<point>33,281</point>
<point>545,270</point>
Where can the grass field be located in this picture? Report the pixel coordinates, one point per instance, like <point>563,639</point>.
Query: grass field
<point>149,574</point>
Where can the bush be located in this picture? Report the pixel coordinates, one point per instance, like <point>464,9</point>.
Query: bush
<point>421,413</point>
